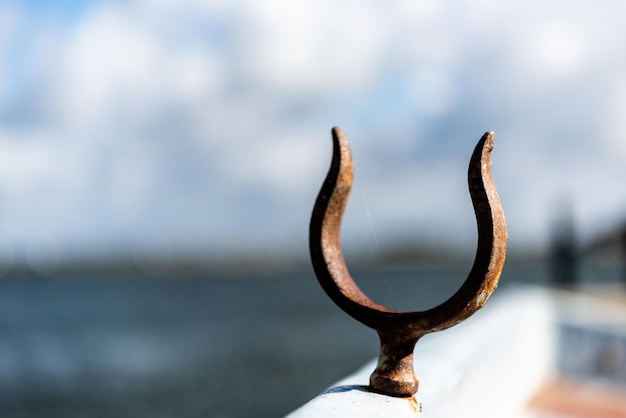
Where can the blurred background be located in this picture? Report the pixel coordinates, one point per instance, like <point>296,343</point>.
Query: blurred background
<point>159,161</point>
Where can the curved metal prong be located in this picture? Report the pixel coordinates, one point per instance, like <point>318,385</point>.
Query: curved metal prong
<point>324,236</point>
<point>400,330</point>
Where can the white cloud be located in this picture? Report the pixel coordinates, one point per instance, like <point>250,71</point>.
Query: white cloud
<point>302,48</point>
<point>45,183</point>
<point>194,76</point>
<point>220,104</point>
<point>131,183</point>
<point>616,116</point>
<point>434,92</point>
<point>110,66</point>
<point>24,161</point>
<point>557,49</point>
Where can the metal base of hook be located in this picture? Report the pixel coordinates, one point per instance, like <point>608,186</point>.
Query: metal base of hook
<point>394,373</point>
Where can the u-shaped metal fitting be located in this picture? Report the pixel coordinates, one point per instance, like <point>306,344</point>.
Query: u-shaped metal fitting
<point>399,331</point>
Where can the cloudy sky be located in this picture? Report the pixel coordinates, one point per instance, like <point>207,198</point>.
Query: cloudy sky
<point>193,125</point>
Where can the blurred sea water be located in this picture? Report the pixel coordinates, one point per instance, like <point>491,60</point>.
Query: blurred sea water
<point>258,345</point>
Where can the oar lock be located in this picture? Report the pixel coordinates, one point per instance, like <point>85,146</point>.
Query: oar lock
<point>399,331</point>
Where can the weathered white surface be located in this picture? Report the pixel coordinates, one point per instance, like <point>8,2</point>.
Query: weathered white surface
<point>488,366</point>
<point>355,401</point>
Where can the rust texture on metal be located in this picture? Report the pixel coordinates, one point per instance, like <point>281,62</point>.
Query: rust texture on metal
<point>399,331</point>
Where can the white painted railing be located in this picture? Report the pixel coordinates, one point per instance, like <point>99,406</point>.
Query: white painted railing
<point>488,366</point>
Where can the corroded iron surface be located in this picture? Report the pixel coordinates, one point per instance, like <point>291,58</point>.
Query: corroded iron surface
<point>399,331</point>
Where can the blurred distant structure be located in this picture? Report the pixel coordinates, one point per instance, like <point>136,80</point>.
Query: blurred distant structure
<point>564,251</point>
<point>610,247</point>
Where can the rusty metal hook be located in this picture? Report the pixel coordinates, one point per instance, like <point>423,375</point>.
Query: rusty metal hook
<point>399,331</point>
